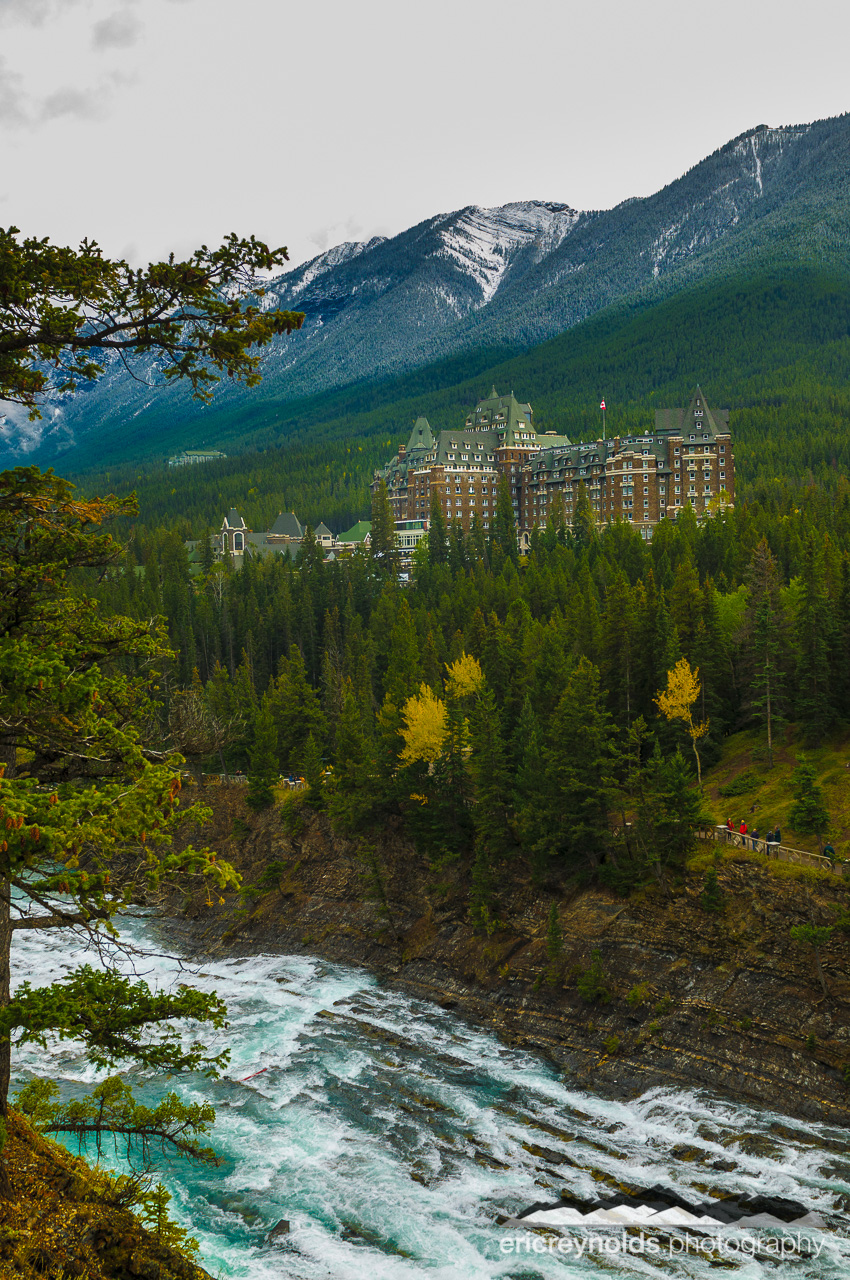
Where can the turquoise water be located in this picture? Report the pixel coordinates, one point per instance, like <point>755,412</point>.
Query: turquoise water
<point>390,1134</point>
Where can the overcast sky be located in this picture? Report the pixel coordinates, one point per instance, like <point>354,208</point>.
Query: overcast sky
<point>152,125</point>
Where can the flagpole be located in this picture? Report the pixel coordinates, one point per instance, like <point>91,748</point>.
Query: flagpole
<point>604,433</point>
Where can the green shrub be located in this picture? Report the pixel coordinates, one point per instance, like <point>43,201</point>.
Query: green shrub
<point>271,874</point>
<point>664,1005</point>
<point>711,898</point>
<point>612,1045</point>
<point>746,781</point>
<point>638,995</point>
<point>291,812</point>
<point>592,984</point>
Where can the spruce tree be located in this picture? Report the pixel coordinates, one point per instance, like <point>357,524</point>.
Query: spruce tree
<point>815,706</point>
<point>492,776</point>
<point>503,531</point>
<point>581,756</point>
<point>263,767</point>
<point>353,790</point>
<point>584,521</point>
<point>296,709</point>
<point>437,542</point>
<point>764,642</point>
<point>312,766</point>
<point>383,542</point>
<point>618,649</point>
<point>404,670</point>
<point>84,782</point>
<point>808,815</point>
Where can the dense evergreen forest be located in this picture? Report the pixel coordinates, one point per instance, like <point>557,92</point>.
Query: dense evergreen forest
<point>775,348</point>
<point>507,706</point>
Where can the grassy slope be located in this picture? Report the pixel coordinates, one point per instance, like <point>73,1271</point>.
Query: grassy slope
<point>62,1220</point>
<point>745,753</point>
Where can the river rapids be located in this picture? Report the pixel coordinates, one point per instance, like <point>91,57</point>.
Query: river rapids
<point>392,1136</point>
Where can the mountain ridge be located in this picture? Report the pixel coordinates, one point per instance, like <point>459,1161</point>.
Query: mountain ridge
<point>505,279</point>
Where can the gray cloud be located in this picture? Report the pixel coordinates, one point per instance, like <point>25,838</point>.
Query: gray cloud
<point>121,30</point>
<point>32,12</point>
<point>12,110</point>
<point>84,104</point>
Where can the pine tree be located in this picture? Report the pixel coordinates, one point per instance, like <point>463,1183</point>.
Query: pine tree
<point>404,671</point>
<point>263,767</point>
<point>383,543</point>
<point>437,544</point>
<point>76,701</point>
<point>353,791</point>
<point>764,640</point>
<point>584,521</point>
<point>312,766</point>
<point>488,766</point>
<point>503,537</point>
<point>814,703</point>
<point>296,709</point>
<point>618,649</point>
<point>808,815</point>
<point>581,758</point>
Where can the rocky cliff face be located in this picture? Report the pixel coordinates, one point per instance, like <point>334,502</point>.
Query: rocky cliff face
<point>721,1000</point>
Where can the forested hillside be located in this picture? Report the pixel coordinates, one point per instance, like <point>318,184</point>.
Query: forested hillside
<point>507,707</point>
<point>774,348</point>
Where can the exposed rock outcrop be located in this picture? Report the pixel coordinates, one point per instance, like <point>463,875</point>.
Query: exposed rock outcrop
<point>721,1000</point>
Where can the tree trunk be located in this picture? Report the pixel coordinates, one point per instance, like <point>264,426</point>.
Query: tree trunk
<point>5,1044</point>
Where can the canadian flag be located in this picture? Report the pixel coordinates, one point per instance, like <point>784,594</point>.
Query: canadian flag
<point>602,406</point>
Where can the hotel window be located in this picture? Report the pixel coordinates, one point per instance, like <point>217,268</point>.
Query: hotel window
<point>722,475</point>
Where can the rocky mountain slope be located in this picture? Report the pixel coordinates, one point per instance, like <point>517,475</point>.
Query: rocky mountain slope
<point>499,280</point>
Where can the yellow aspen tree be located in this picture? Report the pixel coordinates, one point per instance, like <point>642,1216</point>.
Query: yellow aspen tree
<point>676,702</point>
<point>424,727</point>
<point>463,677</point>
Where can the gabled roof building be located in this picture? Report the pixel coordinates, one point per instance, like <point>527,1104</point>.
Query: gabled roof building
<point>686,461</point>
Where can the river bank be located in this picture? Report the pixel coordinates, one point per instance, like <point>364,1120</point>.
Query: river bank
<point>723,1001</point>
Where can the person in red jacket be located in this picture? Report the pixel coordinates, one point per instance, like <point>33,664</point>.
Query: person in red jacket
<point>743,833</point>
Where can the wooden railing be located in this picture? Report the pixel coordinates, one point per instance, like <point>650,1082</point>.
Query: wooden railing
<point>781,852</point>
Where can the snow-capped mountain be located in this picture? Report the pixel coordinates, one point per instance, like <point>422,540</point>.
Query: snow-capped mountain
<point>500,279</point>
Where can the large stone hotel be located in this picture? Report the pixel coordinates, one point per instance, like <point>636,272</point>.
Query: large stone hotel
<point>686,461</point>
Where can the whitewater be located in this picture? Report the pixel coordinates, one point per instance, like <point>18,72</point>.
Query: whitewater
<point>391,1135</point>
